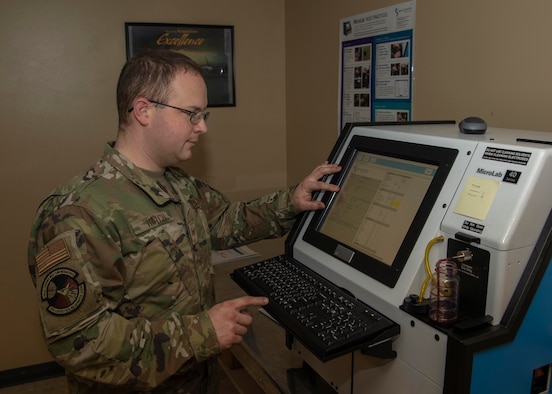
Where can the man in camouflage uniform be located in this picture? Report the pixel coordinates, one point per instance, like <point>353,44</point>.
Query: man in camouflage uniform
<point>120,255</point>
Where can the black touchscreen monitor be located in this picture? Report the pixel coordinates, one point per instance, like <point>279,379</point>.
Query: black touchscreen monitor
<point>387,191</point>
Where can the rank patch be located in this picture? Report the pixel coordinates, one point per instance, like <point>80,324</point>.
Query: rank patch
<point>51,255</point>
<point>63,293</point>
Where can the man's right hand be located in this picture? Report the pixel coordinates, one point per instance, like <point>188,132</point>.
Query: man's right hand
<point>231,319</point>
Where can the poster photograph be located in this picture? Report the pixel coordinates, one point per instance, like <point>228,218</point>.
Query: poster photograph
<point>212,47</point>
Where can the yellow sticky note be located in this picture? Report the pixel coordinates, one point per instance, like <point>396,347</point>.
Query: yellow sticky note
<point>477,197</point>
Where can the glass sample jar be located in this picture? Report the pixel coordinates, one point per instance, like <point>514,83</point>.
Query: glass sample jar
<point>443,299</point>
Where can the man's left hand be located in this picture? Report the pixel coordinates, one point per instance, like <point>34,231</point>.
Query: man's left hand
<point>302,196</point>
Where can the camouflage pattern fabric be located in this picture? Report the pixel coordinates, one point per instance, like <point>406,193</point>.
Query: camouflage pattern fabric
<point>121,264</point>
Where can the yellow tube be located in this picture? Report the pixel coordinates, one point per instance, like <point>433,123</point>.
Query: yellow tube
<point>429,274</point>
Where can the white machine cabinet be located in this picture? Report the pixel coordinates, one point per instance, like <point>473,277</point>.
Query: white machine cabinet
<point>491,195</point>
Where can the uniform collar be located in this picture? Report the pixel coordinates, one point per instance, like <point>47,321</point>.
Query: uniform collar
<point>156,189</point>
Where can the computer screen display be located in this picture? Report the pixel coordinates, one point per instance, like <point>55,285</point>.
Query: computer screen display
<point>387,190</point>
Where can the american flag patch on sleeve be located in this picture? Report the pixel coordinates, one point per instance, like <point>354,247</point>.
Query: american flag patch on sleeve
<point>51,255</point>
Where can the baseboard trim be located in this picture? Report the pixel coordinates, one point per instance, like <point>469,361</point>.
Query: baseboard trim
<point>31,373</point>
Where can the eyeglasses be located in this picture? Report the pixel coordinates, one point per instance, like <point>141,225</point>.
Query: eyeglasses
<point>195,117</point>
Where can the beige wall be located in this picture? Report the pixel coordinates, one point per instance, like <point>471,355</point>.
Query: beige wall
<point>61,58</point>
<point>471,57</point>
<point>58,69</point>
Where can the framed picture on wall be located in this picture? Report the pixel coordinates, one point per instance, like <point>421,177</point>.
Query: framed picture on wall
<point>212,47</point>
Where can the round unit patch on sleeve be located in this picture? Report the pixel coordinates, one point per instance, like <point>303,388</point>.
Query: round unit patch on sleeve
<point>62,291</point>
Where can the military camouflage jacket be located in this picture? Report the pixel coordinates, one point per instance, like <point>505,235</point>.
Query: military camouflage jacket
<point>121,264</point>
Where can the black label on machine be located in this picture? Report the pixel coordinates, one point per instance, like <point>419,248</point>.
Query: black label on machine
<point>507,155</point>
<point>475,227</point>
<point>511,176</point>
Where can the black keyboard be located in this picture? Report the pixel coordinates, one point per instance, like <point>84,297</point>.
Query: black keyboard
<point>324,317</point>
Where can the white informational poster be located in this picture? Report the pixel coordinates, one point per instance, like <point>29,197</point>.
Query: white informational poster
<point>375,83</point>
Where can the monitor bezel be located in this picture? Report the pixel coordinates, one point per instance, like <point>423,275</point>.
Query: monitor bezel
<point>441,157</point>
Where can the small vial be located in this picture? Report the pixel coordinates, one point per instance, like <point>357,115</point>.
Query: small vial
<point>443,299</point>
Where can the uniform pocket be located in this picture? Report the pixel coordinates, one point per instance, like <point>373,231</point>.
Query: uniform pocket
<point>154,283</point>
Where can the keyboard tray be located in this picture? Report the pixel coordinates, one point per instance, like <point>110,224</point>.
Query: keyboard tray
<point>322,316</point>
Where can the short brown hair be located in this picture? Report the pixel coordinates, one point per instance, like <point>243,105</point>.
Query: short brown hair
<point>149,75</point>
